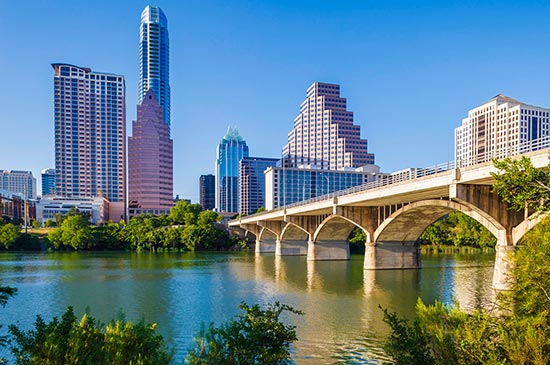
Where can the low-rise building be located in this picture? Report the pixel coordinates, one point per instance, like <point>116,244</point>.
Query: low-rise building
<point>285,186</point>
<point>97,208</point>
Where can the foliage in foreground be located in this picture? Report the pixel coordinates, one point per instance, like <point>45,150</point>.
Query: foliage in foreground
<point>256,336</point>
<point>5,293</point>
<point>71,342</point>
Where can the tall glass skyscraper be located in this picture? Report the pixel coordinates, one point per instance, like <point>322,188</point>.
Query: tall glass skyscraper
<point>154,60</point>
<point>229,152</point>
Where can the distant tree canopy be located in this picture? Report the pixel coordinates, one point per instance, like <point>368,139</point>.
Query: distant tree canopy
<point>459,230</point>
<point>186,227</point>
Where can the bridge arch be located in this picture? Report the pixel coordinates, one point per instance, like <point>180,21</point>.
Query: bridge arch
<point>337,228</point>
<point>407,223</point>
<point>293,232</point>
<point>267,234</point>
<point>526,225</point>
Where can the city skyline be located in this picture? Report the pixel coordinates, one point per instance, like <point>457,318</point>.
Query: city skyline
<point>410,72</point>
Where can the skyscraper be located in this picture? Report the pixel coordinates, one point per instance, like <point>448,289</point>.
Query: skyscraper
<point>252,182</point>
<point>150,159</point>
<point>230,151</point>
<point>154,58</point>
<point>48,182</point>
<point>498,128</point>
<point>207,196</point>
<point>324,135</point>
<point>90,134</point>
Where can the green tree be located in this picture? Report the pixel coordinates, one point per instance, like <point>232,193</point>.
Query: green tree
<point>5,293</point>
<point>49,223</point>
<point>255,337</point>
<point>74,232</point>
<point>72,342</point>
<point>184,213</point>
<point>9,233</point>
<point>522,185</point>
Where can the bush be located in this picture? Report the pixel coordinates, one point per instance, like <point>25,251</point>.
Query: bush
<point>71,342</point>
<point>256,337</point>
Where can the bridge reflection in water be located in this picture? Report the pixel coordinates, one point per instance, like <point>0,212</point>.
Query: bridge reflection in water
<point>341,300</point>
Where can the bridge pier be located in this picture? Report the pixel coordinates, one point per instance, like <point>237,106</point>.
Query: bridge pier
<point>292,248</point>
<point>328,250</point>
<point>504,267</point>
<point>392,255</point>
<point>264,246</point>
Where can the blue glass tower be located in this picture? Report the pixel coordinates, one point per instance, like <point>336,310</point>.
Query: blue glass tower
<point>154,54</point>
<point>229,152</point>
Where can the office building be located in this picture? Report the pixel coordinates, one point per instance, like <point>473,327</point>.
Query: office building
<point>154,58</point>
<point>90,135</point>
<point>252,182</point>
<point>207,192</point>
<point>48,182</point>
<point>498,128</point>
<point>229,152</point>
<point>18,182</point>
<point>150,160</point>
<point>324,135</point>
<point>284,186</point>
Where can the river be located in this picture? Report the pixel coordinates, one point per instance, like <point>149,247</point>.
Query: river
<point>342,323</point>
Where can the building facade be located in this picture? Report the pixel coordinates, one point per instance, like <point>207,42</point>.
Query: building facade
<point>15,206</point>
<point>97,208</point>
<point>252,182</point>
<point>229,152</point>
<point>90,135</point>
<point>154,58</point>
<point>48,182</point>
<point>150,161</point>
<point>324,135</point>
<point>207,192</point>
<point>498,128</point>
<point>19,182</point>
<point>285,186</point>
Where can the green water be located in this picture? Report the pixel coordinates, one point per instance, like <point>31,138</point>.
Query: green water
<point>342,322</point>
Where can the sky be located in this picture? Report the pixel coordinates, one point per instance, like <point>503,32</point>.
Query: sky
<point>410,70</point>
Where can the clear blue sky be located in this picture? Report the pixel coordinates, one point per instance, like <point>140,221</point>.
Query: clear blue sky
<point>410,70</point>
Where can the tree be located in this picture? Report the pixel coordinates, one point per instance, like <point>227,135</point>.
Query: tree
<point>457,229</point>
<point>74,232</point>
<point>72,342</point>
<point>9,233</point>
<point>184,213</point>
<point>49,223</point>
<point>255,337</point>
<point>5,293</point>
<point>522,185</point>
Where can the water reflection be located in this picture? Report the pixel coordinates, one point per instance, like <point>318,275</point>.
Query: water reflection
<point>343,321</point>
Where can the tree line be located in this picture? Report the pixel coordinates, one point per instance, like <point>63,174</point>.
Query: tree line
<point>187,227</point>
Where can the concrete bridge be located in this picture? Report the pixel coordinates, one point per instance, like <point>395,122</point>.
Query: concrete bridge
<point>393,214</point>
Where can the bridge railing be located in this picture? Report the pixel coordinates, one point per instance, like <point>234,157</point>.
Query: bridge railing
<point>402,176</point>
<point>510,151</point>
